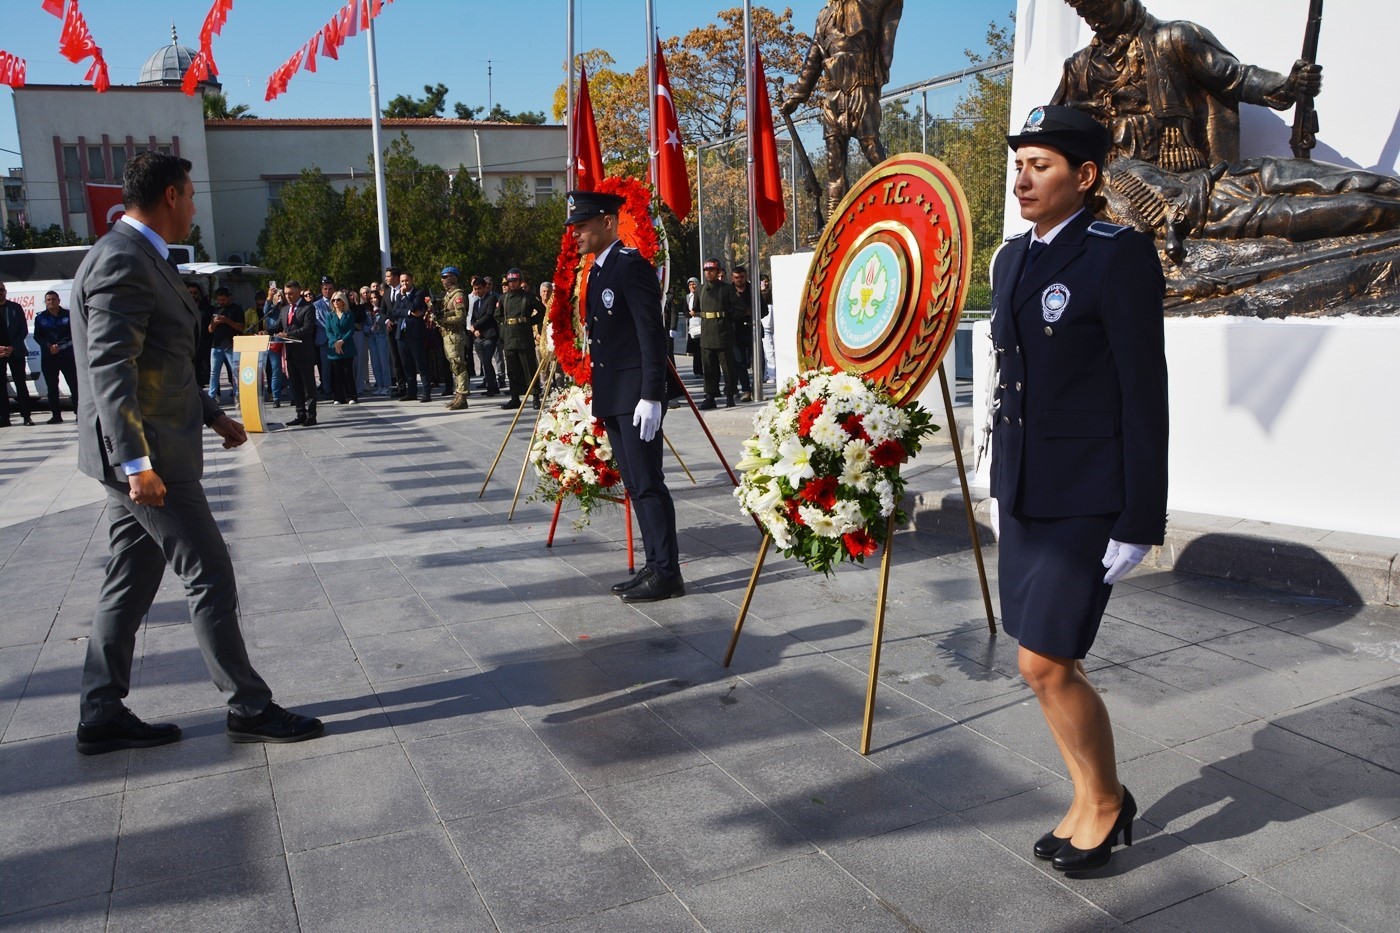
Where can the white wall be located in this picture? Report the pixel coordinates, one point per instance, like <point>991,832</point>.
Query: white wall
<point>1358,109</point>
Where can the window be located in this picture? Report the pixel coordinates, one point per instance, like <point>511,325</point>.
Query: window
<point>97,166</point>
<point>274,194</point>
<point>544,188</point>
<point>118,163</point>
<point>73,181</point>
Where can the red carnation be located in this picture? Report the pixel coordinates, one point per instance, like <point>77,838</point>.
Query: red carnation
<point>860,543</point>
<point>855,427</point>
<point>889,453</point>
<point>808,415</point>
<point>793,515</point>
<point>821,492</point>
<point>607,476</point>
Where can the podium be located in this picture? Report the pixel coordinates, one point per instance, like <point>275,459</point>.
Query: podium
<point>252,354</point>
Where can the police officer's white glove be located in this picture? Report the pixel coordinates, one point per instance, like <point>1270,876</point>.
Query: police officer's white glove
<point>1120,558</point>
<point>994,517</point>
<point>671,334</point>
<point>647,418</point>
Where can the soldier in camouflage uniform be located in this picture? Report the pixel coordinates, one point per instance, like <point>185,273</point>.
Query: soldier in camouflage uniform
<point>521,315</point>
<point>719,309</point>
<point>456,342</point>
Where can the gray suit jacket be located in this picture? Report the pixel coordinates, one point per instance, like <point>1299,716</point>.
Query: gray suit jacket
<point>135,332</point>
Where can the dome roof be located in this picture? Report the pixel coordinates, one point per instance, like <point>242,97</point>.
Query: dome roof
<point>168,64</point>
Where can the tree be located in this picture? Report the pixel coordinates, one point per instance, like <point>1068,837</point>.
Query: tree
<point>24,236</point>
<point>303,227</point>
<point>430,105</point>
<point>196,243</point>
<point>216,108</point>
<point>499,114</point>
<point>974,147</point>
<point>467,113</point>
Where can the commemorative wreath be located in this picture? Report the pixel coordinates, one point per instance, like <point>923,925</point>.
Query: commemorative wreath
<point>571,454</point>
<point>565,315</point>
<point>821,473</point>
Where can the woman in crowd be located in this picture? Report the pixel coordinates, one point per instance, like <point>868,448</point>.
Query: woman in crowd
<point>380,333</point>
<point>1079,461</point>
<point>340,348</point>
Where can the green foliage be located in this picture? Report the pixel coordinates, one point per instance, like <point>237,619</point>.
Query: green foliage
<point>467,113</point>
<point>431,104</point>
<point>23,236</point>
<point>196,240</point>
<point>500,114</point>
<point>436,219</point>
<point>216,107</point>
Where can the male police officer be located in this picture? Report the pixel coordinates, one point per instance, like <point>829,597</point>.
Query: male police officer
<point>521,314</point>
<point>456,340</point>
<point>719,307</point>
<point>627,346</point>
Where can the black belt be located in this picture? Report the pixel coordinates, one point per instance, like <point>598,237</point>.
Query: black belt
<point>712,315</point>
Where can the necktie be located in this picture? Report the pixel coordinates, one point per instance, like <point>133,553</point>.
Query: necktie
<point>1037,247</point>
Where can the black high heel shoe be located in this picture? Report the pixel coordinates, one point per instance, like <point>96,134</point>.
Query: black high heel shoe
<point>1047,845</point>
<point>1070,858</point>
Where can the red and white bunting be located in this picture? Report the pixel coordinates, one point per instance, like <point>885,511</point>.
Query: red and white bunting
<point>353,16</point>
<point>75,42</point>
<point>203,65</point>
<point>12,69</point>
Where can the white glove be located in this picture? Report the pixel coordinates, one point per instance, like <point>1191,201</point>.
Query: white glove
<point>647,418</point>
<point>1120,558</point>
<point>671,334</point>
<point>994,517</point>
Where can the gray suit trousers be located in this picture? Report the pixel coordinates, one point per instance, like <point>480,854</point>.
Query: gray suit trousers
<point>143,540</point>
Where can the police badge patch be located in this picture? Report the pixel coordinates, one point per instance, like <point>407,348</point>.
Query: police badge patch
<point>1053,302</point>
<point>608,298</point>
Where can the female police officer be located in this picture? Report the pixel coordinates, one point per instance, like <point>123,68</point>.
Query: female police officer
<point>1079,467</point>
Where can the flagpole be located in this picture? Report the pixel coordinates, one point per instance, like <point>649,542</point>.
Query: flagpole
<point>751,108</point>
<point>654,143</point>
<point>381,197</point>
<point>569,105</point>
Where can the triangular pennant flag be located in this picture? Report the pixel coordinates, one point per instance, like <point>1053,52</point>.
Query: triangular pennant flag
<point>672,181</point>
<point>54,6</point>
<point>768,179</point>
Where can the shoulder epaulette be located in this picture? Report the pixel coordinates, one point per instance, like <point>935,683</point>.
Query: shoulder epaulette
<point>1107,230</point>
<point>1016,236</point>
<point>627,249</point>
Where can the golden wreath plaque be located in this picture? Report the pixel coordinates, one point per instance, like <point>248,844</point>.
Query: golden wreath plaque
<point>889,277</point>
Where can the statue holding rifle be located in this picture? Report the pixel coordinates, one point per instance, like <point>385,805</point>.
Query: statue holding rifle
<point>852,48</point>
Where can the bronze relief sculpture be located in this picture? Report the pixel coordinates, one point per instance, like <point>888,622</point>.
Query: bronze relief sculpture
<point>1170,93</point>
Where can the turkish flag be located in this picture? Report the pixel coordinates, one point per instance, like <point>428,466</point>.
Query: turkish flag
<point>104,207</point>
<point>54,6</point>
<point>672,181</point>
<point>587,154</point>
<point>768,181</point>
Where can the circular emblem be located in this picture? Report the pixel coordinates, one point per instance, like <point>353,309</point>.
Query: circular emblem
<point>248,374</point>
<point>608,298</point>
<point>889,277</point>
<point>1053,302</point>
<point>1034,121</point>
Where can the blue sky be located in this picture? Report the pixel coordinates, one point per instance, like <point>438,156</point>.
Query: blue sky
<point>426,42</point>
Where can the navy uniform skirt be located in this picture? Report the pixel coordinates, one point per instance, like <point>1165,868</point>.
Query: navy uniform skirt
<point>1050,577</point>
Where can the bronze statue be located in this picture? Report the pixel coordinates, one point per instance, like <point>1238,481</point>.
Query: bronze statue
<point>851,52</point>
<point>1170,93</point>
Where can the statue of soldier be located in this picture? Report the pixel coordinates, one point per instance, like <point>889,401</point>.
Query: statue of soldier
<point>851,52</point>
<point>521,315</point>
<point>456,341</point>
<point>1169,94</point>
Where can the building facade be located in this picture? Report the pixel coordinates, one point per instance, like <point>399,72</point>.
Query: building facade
<point>71,136</point>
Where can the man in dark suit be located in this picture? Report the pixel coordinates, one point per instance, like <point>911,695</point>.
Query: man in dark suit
<point>410,324</point>
<point>140,412</point>
<point>627,347</point>
<point>296,318</point>
<point>486,329</point>
<point>13,330</point>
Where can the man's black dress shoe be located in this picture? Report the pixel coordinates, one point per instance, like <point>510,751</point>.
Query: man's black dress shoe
<point>124,730</point>
<point>633,581</point>
<point>729,401</point>
<point>1071,859</point>
<point>310,422</point>
<point>426,398</point>
<point>707,403</point>
<point>56,419</point>
<point>28,421</point>
<point>1047,845</point>
<point>296,422</point>
<point>273,724</point>
<point>512,402</point>
<point>655,587</point>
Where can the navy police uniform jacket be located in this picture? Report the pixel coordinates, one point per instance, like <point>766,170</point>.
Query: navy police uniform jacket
<point>1081,424</point>
<point>626,339</point>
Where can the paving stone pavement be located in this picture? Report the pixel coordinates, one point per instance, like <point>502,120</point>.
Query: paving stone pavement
<point>510,748</point>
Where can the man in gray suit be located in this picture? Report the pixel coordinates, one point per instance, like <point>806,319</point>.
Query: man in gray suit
<point>140,412</point>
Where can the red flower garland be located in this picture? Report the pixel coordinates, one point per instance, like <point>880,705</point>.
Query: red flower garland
<point>571,275</point>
